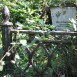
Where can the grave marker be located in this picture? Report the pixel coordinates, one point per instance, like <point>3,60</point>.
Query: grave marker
<point>61,17</point>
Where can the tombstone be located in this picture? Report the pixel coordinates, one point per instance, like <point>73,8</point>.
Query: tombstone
<point>63,18</point>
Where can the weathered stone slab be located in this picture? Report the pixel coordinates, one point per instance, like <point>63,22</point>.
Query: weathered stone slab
<point>61,17</point>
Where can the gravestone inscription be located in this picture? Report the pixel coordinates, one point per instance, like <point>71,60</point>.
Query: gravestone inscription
<point>63,17</point>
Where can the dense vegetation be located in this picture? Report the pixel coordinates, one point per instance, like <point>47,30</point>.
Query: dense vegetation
<point>35,15</point>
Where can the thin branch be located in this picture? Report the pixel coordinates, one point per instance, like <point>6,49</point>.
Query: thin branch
<point>7,51</point>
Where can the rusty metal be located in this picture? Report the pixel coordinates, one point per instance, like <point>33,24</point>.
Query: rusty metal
<point>44,32</point>
<point>45,44</point>
<point>49,46</point>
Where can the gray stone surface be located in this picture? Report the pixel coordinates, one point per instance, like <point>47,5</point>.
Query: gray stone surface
<point>61,17</point>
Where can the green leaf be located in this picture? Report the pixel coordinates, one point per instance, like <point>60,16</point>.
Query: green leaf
<point>38,19</point>
<point>45,38</point>
<point>21,3</point>
<point>1,51</point>
<point>51,26</point>
<point>31,43</point>
<point>8,75</point>
<point>42,22</point>
<point>1,67</point>
<point>23,42</point>
<point>33,11</point>
<point>51,70</point>
<point>48,31</point>
<point>62,76</point>
<point>69,24</point>
<point>19,24</point>
<point>13,43</point>
<point>41,31</point>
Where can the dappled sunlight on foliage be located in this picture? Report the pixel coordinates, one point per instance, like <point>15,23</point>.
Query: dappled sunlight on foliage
<point>40,53</point>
